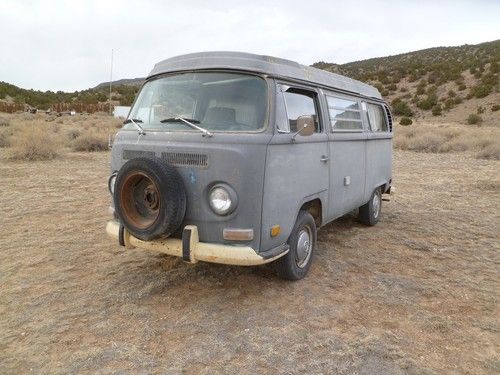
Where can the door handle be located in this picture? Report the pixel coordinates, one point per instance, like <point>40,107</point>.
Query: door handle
<point>324,159</point>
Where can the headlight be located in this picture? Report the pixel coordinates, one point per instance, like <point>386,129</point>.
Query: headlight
<point>222,199</point>
<point>111,183</point>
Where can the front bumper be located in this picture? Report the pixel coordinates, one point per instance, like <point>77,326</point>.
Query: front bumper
<point>191,249</point>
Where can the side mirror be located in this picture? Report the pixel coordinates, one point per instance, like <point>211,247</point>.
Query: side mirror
<point>305,126</point>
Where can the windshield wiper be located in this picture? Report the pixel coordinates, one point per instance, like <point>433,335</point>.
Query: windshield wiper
<point>135,122</point>
<point>190,122</point>
<point>179,119</point>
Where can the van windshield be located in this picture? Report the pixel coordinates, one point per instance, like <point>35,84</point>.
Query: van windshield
<point>219,102</point>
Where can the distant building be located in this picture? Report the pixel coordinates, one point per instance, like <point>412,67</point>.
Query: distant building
<point>120,111</point>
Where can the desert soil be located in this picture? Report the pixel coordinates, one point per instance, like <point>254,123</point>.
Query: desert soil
<point>417,294</point>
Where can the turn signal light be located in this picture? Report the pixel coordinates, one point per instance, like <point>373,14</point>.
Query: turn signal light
<point>275,230</point>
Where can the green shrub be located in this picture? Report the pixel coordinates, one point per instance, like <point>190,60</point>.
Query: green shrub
<point>437,110</point>
<point>428,102</point>
<point>457,100</point>
<point>405,121</point>
<point>480,110</point>
<point>401,108</point>
<point>392,87</point>
<point>474,119</point>
<point>495,107</point>
<point>452,94</point>
<point>480,90</point>
<point>449,103</point>
<point>421,87</point>
<point>461,87</point>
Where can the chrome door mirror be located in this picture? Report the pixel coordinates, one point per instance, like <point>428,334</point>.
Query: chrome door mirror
<point>305,126</point>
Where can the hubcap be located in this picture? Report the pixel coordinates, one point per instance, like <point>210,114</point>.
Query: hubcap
<point>304,247</point>
<point>140,200</point>
<point>376,205</point>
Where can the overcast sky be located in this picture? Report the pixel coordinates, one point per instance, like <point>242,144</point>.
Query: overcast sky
<point>66,45</point>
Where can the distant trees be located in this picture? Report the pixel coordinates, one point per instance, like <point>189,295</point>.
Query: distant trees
<point>48,99</point>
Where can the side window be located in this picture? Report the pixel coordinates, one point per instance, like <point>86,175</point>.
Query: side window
<point>344,114</point>
<point>300,103</point>
<point>376,118</point>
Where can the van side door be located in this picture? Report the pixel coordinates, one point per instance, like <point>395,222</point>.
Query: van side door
<point>347,141</point>
<point>296,165</point>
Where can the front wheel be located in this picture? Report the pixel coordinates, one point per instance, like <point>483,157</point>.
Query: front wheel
<point>369,213</point>
<point>295,264</point>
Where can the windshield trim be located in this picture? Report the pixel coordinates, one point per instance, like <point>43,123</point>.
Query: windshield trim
<point>263,129</point>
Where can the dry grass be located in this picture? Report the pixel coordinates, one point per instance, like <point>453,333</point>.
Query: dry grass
<point>35,142</point>
<point>483,141</point>
<point>90,141</point>
<point>491,151</point>
<point>4,121</point>
<point>42,137</point>
<point>416,294</point>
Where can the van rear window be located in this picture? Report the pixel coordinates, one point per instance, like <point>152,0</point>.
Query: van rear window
<point>344,114</point>
<point>376,118</point>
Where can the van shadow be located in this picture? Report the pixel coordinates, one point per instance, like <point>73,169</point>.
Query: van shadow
<point>144,274</point>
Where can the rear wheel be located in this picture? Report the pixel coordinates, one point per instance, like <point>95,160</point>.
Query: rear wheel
<point>302,241</point>
<point>369,213</point>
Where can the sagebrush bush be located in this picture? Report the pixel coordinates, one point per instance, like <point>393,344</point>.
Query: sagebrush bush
<point>474,119</point>
<point>4,138</point>
<point>495,107</point>
<point>73,133</point>
<point>480,91</point>
<point>35,142</point>
<point>491,152</point>
<point>4,121</point>
<point>405,121</point>
<point>90,142</point>
<point>429,102</point>
<point>437,110</point>
<point>401,108</point>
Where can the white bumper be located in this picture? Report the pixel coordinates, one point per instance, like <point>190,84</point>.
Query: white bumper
<point>190,248</point>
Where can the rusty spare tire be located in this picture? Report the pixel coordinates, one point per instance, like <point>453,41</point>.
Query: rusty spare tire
<point>150,198</point>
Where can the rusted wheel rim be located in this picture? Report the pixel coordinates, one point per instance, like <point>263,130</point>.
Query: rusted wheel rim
<point>140,200</point>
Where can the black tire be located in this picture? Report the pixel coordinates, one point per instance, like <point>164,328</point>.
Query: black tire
<point>289,266</point>
<point>369,213</point>
<point>150,198</point>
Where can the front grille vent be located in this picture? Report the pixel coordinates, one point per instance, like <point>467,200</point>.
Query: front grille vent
<point>185,159</point>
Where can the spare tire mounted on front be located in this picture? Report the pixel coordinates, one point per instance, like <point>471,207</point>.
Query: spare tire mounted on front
<point>149,198</point>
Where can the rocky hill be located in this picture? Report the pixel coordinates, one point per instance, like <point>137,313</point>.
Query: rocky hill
<point>443,83</point>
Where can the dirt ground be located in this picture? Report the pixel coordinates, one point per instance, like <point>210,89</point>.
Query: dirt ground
<point>416,294</point>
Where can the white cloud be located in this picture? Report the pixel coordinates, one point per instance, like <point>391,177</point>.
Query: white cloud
<point>61,45</point>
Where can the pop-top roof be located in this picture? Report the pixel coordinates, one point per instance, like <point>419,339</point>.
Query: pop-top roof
<point>272,66</point>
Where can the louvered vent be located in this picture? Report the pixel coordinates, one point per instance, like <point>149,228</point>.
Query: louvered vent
<point>389,117</point>
<point>185,159</point>
<point>131,154</point>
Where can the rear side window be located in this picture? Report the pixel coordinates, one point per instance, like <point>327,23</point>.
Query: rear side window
<point>376,117</point>
<point>345,114</point>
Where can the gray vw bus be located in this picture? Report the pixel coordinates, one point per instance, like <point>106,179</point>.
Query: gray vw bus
<point>237,158</point>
